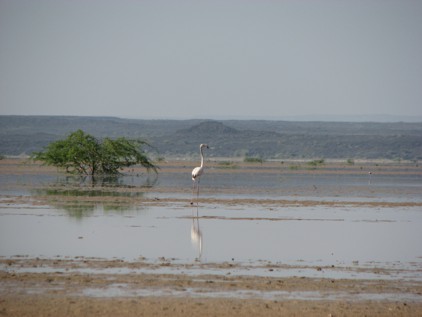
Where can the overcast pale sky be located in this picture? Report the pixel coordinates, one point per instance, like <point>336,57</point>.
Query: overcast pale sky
<point>210,59</point>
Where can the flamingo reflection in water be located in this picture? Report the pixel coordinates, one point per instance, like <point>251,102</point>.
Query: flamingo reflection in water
<point>196,235</point>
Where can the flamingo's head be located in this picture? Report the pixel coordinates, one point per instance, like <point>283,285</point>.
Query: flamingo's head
<point>204,146</point>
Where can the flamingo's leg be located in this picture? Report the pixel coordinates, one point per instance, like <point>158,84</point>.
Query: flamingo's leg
<point>197,192</point>
<point>193,191</point>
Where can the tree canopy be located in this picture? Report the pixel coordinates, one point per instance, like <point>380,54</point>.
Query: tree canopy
<point>82,153</point>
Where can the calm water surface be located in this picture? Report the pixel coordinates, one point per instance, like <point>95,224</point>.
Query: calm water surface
<point>325,235</point>
<point>315,235</point>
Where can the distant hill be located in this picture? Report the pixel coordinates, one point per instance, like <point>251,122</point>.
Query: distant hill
<point>228,138</point>
<point>207,128</point>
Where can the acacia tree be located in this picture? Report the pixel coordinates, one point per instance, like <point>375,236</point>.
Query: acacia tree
<point>82,153</point>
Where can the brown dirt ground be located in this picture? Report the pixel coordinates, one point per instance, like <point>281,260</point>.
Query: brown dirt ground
<point>59,293</point>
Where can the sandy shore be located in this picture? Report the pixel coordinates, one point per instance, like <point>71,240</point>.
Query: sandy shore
<point>62,287</point>
<point>99,287</point>
<point>162,306</point>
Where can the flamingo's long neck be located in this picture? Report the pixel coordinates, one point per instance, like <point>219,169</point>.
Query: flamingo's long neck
<point>202,158</point>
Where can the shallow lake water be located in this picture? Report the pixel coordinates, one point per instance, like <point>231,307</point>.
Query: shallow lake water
<point>314,236</point>
<point>250,235</point>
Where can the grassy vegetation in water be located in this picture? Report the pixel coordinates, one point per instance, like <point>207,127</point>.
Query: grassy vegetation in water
<point>227,164</point>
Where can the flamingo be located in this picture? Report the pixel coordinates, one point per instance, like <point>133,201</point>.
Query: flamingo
<point>197,172</point>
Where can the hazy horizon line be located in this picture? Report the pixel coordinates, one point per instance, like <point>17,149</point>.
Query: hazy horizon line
<point>382,118</point>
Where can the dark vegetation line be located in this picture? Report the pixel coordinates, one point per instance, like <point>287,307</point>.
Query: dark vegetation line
<point>253,139</point>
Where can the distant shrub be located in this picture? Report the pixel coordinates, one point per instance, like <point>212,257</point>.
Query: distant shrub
<point>249,159</point>
<point>160,159</point>
<point>316,163</point>
<point>351,161</point>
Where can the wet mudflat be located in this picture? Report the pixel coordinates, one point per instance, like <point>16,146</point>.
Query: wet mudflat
<point>305,234</point>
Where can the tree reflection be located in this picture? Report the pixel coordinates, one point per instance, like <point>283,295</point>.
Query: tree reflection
<point>82,196</point>
<point>127,181</point>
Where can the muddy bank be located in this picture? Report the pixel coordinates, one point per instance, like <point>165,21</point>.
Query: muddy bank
<point>63,291</point>
<point>37,305</point>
